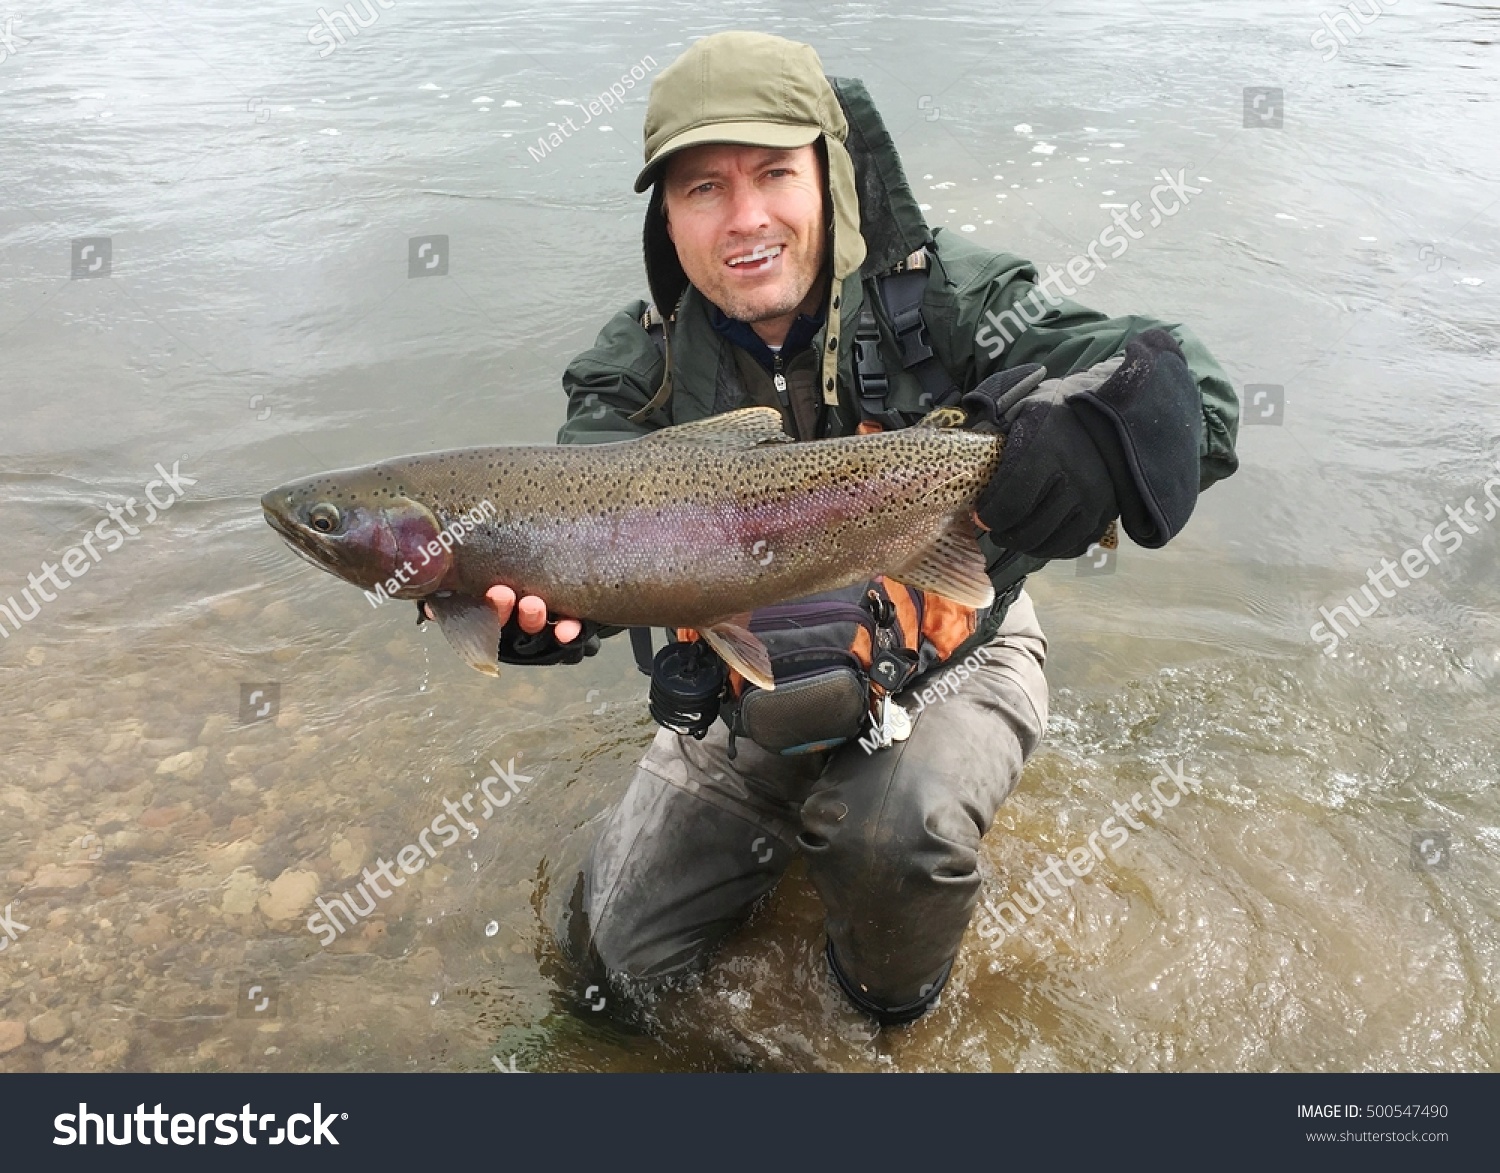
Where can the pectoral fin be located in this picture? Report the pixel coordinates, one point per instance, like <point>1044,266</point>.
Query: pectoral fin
<point>952,567</point>
<point>741,649</point>
<point>472,627</point>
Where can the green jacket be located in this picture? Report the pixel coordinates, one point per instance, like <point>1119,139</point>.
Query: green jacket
<point>623,371</point>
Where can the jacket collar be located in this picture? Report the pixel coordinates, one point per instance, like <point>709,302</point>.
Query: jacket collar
<point>743,335</point>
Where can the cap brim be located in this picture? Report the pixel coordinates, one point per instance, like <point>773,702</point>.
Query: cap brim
<point>776,135</point>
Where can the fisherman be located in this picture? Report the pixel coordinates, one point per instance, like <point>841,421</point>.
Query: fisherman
<point>789,266</point>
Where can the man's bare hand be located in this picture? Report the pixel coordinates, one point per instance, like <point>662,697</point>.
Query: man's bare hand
<point>531,614</point>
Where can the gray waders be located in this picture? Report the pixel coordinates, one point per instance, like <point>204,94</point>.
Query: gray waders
<point>891,837</point>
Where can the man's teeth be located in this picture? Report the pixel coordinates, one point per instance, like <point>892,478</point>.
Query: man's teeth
<point>760,254</point>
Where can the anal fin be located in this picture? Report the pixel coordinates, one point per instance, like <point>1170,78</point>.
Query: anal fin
<point>952,567</point>
<point>472,627</point>
<point>741,649</point>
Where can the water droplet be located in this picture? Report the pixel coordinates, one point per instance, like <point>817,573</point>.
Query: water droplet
<point>492,928</point>
<point>434,1001</point>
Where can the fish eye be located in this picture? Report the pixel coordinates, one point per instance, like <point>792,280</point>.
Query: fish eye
<point>324,518</point>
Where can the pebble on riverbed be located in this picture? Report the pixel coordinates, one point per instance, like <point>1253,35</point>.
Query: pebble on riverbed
<point>289,894</point>
<point>12,1035</point>
<point>47,1028</point>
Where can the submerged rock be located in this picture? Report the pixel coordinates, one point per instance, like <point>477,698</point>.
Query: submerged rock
<point>48,1028</point>
<point>12,1035</point>
<point>289,894</point>
<point>242,891</point>
<point>52,879</point>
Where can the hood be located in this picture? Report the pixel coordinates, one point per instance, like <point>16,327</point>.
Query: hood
<point>763,90</point>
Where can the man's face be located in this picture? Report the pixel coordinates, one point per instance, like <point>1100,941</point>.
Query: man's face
<point>749,228</point>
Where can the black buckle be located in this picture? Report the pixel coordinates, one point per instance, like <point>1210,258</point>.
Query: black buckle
<point>873,384</point>
<point>913,338</point>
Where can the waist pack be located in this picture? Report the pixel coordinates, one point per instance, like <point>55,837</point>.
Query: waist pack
<point>835,657</point>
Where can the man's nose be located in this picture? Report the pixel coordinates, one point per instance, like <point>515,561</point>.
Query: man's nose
<point>747,209</point>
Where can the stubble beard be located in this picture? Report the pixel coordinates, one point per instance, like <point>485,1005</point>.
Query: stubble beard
<point>752,308</point>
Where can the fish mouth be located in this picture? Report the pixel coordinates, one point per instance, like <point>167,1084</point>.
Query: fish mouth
<point>275,521</point>
<point>303,544</point>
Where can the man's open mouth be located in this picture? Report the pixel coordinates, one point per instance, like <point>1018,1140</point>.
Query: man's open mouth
<point>759,258</point>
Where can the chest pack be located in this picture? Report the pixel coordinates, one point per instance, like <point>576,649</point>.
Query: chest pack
<point>836,658</point>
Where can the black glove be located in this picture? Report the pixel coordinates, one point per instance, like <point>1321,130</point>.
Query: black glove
<point>1052,495</point>
<point>1147,422</point>
<point>519,647</point>
<point>1121,438</point>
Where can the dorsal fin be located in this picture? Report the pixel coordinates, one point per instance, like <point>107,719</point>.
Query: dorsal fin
<point>734,429</point>
<point>943,417</point>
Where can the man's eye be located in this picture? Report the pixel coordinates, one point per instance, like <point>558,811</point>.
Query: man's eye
<point>778,172</point>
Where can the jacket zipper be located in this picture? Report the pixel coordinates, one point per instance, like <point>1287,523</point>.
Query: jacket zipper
<point>779,380</point>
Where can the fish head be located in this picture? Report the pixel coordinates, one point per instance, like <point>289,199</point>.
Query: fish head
<point>356,527</point>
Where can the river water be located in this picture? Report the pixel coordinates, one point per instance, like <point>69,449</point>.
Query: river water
<point>202,734</point>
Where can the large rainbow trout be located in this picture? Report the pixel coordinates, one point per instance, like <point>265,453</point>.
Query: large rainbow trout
<point>693,526</point>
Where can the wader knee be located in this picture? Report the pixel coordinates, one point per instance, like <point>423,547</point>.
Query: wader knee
<point>899,883</point>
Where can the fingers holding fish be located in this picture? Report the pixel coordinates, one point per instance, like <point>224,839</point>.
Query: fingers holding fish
<point>531,614</point>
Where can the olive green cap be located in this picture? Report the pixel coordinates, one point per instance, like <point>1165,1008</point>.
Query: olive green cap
<point>750,89</point>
